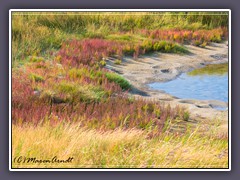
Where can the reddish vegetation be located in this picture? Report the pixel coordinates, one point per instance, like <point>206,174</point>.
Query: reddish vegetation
<point>182,36</point>
<point>54,73</point>
<point>88,51</point>
<point>75,88</point>
<point>114,111</point>
<point>93,51</point>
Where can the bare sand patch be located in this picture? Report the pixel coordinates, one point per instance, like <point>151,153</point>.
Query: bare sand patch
<point>161,67</point>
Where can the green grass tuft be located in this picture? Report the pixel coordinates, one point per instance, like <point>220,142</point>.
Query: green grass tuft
<point>117,62</point>
<point>36,78</point>
<point>123,83</point>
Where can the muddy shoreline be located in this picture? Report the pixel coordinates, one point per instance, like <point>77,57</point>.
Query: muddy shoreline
<point>161,67</point>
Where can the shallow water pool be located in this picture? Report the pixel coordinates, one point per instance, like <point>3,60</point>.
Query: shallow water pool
<point>208,83</point>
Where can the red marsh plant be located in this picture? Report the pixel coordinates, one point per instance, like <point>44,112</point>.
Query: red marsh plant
<point>94,52</point>
<point>69,99</point>
<point>197,37</point>
<point>54,73</point>
<point>88,51</point>
<point>71,88</point>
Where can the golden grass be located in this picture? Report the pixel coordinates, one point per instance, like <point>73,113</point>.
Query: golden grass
<point>120,149</point>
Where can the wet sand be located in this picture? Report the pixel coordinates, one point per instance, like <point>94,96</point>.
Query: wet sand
<point>161,67</point>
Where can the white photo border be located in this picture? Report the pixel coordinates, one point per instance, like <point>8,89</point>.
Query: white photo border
<point>119,169</point>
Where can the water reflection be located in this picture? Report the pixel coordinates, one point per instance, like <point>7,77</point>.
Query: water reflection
<point>210,69</point>
<point>208,83</point>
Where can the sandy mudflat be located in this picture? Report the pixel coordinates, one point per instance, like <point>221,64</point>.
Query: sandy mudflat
<point>160,67</point>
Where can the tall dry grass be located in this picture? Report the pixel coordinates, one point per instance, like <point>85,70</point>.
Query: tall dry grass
<point>196,148</point>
